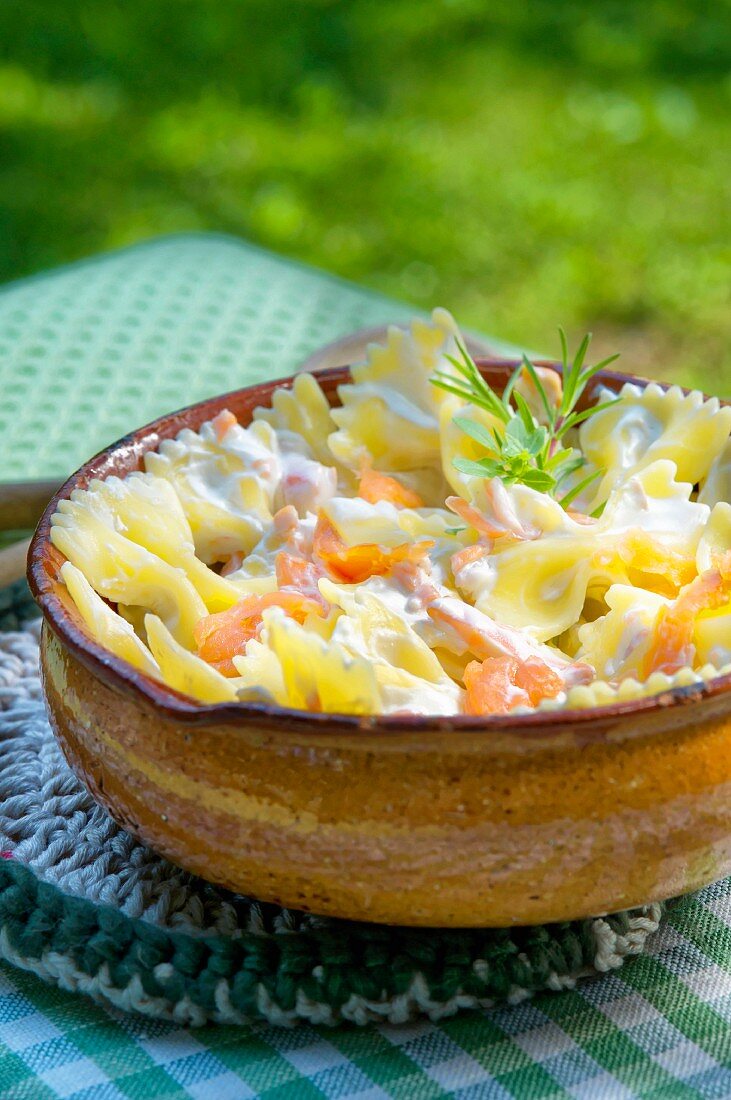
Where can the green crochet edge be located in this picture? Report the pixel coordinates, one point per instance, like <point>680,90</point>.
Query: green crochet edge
<point>338,971</point>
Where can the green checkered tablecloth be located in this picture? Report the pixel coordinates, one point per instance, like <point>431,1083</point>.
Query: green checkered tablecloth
<point>660,1029</point>
<point>85,353</point>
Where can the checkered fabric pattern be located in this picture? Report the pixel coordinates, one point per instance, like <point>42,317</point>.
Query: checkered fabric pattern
<point>659,1029</point>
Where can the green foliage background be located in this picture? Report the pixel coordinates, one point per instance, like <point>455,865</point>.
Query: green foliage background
<point>524,162</point>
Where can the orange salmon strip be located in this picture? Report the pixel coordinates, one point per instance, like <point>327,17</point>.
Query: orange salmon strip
<point>300,575</point>
<point>491,686</point>
<point>351,564</point>
<point>375,486</point>
<point>222,423</point>
<point>498,684</point>
<point>221,636</point>
<point>467,556</point>
<point>474,518</point>
<point>671,647</point>
<point>539,680</point>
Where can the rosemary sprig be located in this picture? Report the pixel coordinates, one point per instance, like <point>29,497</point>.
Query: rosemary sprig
<point>521,449</point>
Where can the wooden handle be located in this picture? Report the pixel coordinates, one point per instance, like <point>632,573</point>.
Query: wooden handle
<point>22,503</point>
<point>12,562</point>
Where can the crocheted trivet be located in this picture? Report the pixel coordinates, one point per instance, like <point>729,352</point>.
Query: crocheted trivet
<point>85,906</point>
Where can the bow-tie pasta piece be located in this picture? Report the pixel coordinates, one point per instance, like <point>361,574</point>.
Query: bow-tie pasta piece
<point>225,477</point>
<point>653,423</point>
<point>319,675</point>
<point>456,443</point>
<point>301,418</point>
<point>184,671</point>
<point>409,675</point>
<point>602,693</point>
<point>654,501</point>
<point>717,485</point>
<point>712,632</point>
<point>649,529</point>
<point>107,628</point>
<point>149,513</point>
<point>712,637</point>
<point>390,411</point>
<point>716,537</point>
<point>359,523</point>
<point>539,587</point>
<point>124,572</point>
<point>261,679</point>
<point>514,512</point>
<point>615,643</point>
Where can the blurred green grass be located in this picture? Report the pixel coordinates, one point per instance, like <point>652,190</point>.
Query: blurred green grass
<point>525,164</point>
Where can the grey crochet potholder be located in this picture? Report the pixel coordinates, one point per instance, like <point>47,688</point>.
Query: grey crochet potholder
<point>85,906</point>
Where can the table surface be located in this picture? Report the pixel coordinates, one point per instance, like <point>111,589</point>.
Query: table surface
<point>89,351</point>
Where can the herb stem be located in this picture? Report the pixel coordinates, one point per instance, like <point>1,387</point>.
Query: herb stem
<point>522,450</point>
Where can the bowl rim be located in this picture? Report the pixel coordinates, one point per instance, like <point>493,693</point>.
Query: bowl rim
<point>122,677</point>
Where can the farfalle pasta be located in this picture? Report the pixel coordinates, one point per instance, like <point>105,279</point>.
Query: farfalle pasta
<point>427,547</point>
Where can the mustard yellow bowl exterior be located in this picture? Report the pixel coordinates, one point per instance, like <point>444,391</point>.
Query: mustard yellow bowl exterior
<point>442,822</point>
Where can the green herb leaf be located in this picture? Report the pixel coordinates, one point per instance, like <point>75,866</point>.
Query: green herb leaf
<point>577,489</point>
<point>486,467</point>
<point>533,375</point>
<point>580,417</point>
<point>477,432</point>
<point>538,479</point>
<point>521,449</point>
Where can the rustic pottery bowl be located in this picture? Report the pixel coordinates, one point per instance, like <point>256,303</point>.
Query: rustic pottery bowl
<point>417,821</point>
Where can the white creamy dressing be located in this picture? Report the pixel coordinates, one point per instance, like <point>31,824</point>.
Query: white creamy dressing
<point>671,517</point>
<point>634,633</point>
<point>400,405</point>
<point>357,522</point>
<point>408,604</point>
<point>637,429</point>
<point>556,588</point>
<point>288,531</point>
<point>476,577</point>
<point>305,483</point>
<point>255,455</point>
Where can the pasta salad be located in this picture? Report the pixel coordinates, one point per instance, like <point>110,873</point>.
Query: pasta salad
<point>430,546</point>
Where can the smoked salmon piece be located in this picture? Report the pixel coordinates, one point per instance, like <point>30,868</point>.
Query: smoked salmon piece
<point>468,556</point>
<point>300,575</point>
<point>671,647</point>
<point>222,636</point>
<point>499,684</point>
<point>503,519</point>
<point>539,680</point>
<point>351,564</point>
<point>491,687</point>
<point>375,486</point>
<point>471,516</point>
<point>222,423</point>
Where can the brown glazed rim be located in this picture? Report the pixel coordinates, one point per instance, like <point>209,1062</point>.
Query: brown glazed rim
<point>125,456</point>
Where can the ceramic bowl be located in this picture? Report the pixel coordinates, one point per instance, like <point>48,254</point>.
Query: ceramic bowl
<point>409,820</point>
